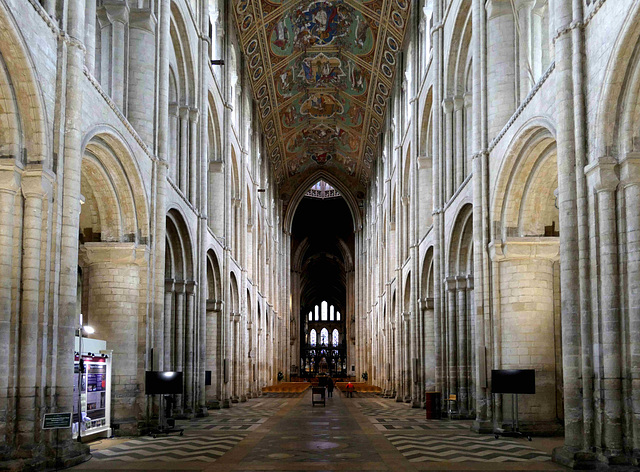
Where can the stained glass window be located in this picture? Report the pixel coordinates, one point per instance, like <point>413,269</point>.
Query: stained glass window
<point>324,337</point>
<point>312,337</point>
<point>335,337</point>
<point>323,311</point>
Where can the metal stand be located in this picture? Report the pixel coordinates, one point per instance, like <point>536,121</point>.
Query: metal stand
<point>515,425</point>
<point>163,426</point>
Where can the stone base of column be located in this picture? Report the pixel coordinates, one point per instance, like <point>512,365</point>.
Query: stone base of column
<point>213,404</point>
<point>226,403</point>
<point>201,412</point>
<point>575,458</point>
<point>407,399</point>
<point>416,403</point>
<point>614,458</point>
<point>243,398</point>
<point>399,398</point>
<point>61,456</point>
<point>482,427</point>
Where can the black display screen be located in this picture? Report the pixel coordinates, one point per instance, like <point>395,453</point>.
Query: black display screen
<point>513,381</point>
<point>163,383</point>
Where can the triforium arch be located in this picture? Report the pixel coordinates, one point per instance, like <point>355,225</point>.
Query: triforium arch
<point>23,134</point>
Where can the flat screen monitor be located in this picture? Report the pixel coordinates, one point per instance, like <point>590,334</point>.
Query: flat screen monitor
<point>163,383</point>
<point>513,381</point>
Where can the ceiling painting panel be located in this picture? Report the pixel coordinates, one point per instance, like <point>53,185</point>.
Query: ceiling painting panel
<point>321,73</point>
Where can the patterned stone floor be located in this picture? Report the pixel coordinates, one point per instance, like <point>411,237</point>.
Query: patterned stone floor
<point>283,432</point>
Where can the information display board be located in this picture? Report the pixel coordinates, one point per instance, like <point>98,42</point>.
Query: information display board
<point>95,395</point>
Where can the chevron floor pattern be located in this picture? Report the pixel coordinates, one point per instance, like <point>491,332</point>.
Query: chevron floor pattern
<point>170,449</point>
<point>418,424</point>
<point>464,448</point>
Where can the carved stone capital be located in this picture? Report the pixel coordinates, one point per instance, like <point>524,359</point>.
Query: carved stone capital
<point>116,11</point>
<point>143,19</point>
<point>180,286</point>
<point>115,253</point>
<point>37,182</point>
<point>525,248</point>
<point>10,177</point>
<point>169,285</point>
<point>447,105</point>
<point>190,287</point>
<point>630,169</point>
<point>603,174</point>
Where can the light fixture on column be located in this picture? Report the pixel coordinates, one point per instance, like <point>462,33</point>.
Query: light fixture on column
<point>217,62</point>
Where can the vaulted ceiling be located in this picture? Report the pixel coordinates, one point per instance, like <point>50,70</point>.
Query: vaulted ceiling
<point>322,73</point>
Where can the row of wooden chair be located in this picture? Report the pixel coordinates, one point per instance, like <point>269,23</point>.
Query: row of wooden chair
<point>287,387</point>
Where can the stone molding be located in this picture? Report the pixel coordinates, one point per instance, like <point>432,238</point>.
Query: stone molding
<point>447,105</point>
<point>525,248</point>
<point>214,305</point>
<point>37,182</point>
<point>116,11</point>
<point>169,285</point>
<point>115,253</point>
<point>190,286</point>
<point>630,169</point>
<point>10,178</point>
<point>602,174</point>
<point>180,286</point>
<point>143,19</point>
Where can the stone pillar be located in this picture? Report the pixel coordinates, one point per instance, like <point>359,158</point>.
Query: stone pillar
<point>50,7</point>
<point>468,133</point>
<point>602,175</point>
<point>184,146</point>
<point>501,67</point>
<point>9,186</point>
<point>213,360</point>
<point>451,336</point>
<point>36,185</point>
<point>118,15</point>
<point>142,69</point>
<point>193,153</point>
<point>525,79</point>
<point>463,336</point>
<point>630,180</point>
<point>70,212</point>
<point>174,140</point>
<point>178,337</point>
<point>458,110</point>
<point>114,303</point>
<point>189,365</point>
<point>447,106</point>
<point>169,323</point>
<point>527,324</point>
<point>406,348</point>
<point>569,242</point>
<point>90,36</point>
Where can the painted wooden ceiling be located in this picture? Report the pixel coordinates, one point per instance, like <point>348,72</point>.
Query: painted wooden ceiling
<point>322,73</point>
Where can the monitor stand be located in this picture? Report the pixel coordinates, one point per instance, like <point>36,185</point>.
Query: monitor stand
<point>163,425</point>
<point>515,426</point>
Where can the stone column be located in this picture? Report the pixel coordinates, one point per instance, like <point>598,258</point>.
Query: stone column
<point>569,242</point>
<point>69,206</point>
<point>447,106</point>
<point>90,36</point>
<point>525,79</point>
<point>501,66</point>
<point>189,365</point>
<point>142,69</point>
<point>173,148</point>
<point>603,178</point>
<point>452,336</point>
<point>169,323</point>
<point>184,149</point>
<point>458,110</point>
<point>406,378</point>
<point>463,336</point>
<point>114,304</point>
<point>630,180</point>
<point>178,337</point>
<point>468,133</point>
<point>193,153</point>
<point>118,14</point>
<point>9,186</point>
<point>36,185</point>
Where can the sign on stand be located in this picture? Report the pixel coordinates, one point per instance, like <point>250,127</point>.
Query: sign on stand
<point>56,421</point>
